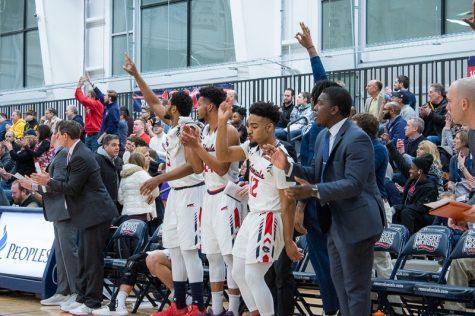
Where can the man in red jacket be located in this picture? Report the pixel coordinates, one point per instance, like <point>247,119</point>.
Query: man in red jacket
<point>94,111</point>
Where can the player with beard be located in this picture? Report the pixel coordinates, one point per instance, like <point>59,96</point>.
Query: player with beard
<point>221,216</point>
<point>270,224</point>
<point>180,226</point>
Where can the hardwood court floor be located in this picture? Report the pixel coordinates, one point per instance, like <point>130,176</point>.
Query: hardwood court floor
<point>23,304</point>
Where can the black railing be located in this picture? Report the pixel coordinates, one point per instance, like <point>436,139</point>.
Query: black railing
<point>421,75</point>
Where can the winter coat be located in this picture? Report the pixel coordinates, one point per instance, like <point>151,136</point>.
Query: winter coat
<point>134,203</point>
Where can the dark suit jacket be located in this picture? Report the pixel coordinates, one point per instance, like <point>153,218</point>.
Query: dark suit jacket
<point>349,190</point>
<point>87,199</point>
<point>54,207</point>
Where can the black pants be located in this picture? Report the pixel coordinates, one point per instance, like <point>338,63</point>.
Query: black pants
<point>281,283</point>
<point>92,241</point>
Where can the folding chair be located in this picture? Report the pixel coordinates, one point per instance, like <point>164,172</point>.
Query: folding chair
<point>430,242</point>
<point>127,240</point>
<point>436,294</point>
<point>305,282</point>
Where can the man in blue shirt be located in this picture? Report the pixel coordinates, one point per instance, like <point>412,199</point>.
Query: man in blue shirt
<point>4,121</point>
<point>395,128</point>
<point>111,116</point>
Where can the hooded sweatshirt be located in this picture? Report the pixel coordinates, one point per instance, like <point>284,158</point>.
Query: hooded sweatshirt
<point>134,203</point>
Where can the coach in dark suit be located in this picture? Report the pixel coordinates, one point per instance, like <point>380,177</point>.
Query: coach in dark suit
<point>349,204</point>
<point>91,210</point>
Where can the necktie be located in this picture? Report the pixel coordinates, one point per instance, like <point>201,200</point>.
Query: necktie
<point>325,153</point>
<point>68,158</point>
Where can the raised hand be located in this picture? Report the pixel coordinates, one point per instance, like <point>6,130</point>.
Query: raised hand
<point>471,19</point>
<point>225,110</point>
<point>129,66</point>
<point>304,37</point>
<point>81,81</point>
<point>190,136</point>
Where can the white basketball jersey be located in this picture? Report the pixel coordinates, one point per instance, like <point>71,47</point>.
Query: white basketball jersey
<point>265,180</point>
<point>214,181</point>
<point>175,155</point>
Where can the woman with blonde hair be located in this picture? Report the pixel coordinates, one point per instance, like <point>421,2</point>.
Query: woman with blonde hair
<point>145,151</point>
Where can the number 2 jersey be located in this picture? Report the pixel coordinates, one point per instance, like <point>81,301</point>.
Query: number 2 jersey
<point>213,181</point>
<point>265,180</point>
<point>175,155</point>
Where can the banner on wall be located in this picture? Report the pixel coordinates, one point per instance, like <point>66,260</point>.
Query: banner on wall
<point>471,67</point>
<point>25,244</point>
<point>165,94</point>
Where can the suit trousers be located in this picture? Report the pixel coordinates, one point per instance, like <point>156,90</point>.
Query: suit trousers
<point>92,241</point>
<point>351,267</point>
<point>66,254</point>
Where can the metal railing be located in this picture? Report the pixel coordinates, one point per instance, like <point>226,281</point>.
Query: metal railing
<point>421,75</point>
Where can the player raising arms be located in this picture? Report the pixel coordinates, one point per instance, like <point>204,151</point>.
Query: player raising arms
<point>264,231</point>
<point>221,214</point>
<point>180,229</point>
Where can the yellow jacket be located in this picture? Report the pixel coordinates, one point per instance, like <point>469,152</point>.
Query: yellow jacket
<point>18,128</point>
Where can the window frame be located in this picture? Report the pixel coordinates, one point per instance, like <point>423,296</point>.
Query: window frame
<point>129,35</point>
<point>352,45</point>
<point>24,31</point>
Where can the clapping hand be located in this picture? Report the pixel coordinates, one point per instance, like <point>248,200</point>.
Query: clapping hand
<point>400,146</point>
<point>225,110</point>
<point>457,224</point>
<point>81,81</point>
<point>461,161</point>
<point>448,120</point>
<point>42,178</point>
<point>190,136</point>
<point>385,137</point>
<point>26,183</point>
<point>276,156</point>
<point>129,66</point>
<point>244,190</point>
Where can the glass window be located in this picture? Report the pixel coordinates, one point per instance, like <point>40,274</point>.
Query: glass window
<point>119,20</point>
<point>11,63</point>
<point>211,32</point>
<point>122,29</point>
<point>164,37</point>
<point>337,24</point>
<point>20,50</point>
<point>392,21</point>
<point>119,47</point>
<point>453,9</point>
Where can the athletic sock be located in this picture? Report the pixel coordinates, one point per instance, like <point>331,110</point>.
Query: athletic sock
<point>217,302</point>
<point>121,297</point>
<point>180,294</point>
<point>234,303</point>
<point>197,294</point>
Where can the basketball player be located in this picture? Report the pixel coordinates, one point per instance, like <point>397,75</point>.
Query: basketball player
<point>269,225</point>
<point>221,216</point>
<point>180,224</point>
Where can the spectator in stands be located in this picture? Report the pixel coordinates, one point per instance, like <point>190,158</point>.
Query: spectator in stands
<point>22,154</point>
<point>402,83</point>
<point>302,110</point>
<point>369,124</point>
<point>51,119</point>
<point>433,113</point>
<point>110,163</point>
<point>30,121</point>
<point>6,162</point>
<point>3,125</point>
<point>43,151</point>
<point>396,125</point>
<point>286,108</point>
<point>133,175</point>
<point>110,116</point>
<point>22,197</point>
<point>418,191</point>
<point>402,98</point>
<point>448,133</point>
<point>157,139</point>
<point>18,127</point>
<point>123,131</point>
<point>239,113</point>
<point>130,121</point>
<point>139,131</point>
<point>460,168</point>
<point>414,137</point>
<point>72,114</point>
<point>374,103</point>
<point>94,112</point>
<point>130,145</point>
<point>234,97</point>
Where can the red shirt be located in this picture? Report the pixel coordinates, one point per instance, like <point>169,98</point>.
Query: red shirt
<point>144,137</point>
<point>94,111</point>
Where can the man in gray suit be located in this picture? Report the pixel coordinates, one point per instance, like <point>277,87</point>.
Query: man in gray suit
<point>65,233</point>
<point>349,206</point>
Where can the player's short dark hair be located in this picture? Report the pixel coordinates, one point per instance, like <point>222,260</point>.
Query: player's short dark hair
<point>265,109</point>
<point>70,127</point>
<point>319,87</point>
<point>341,98</point>
<point>213,95</point>
<point>183,102</point>
<point>368,123</point>
<point>404,80</point>
<point>240,110</point>
<point>108,138</point>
